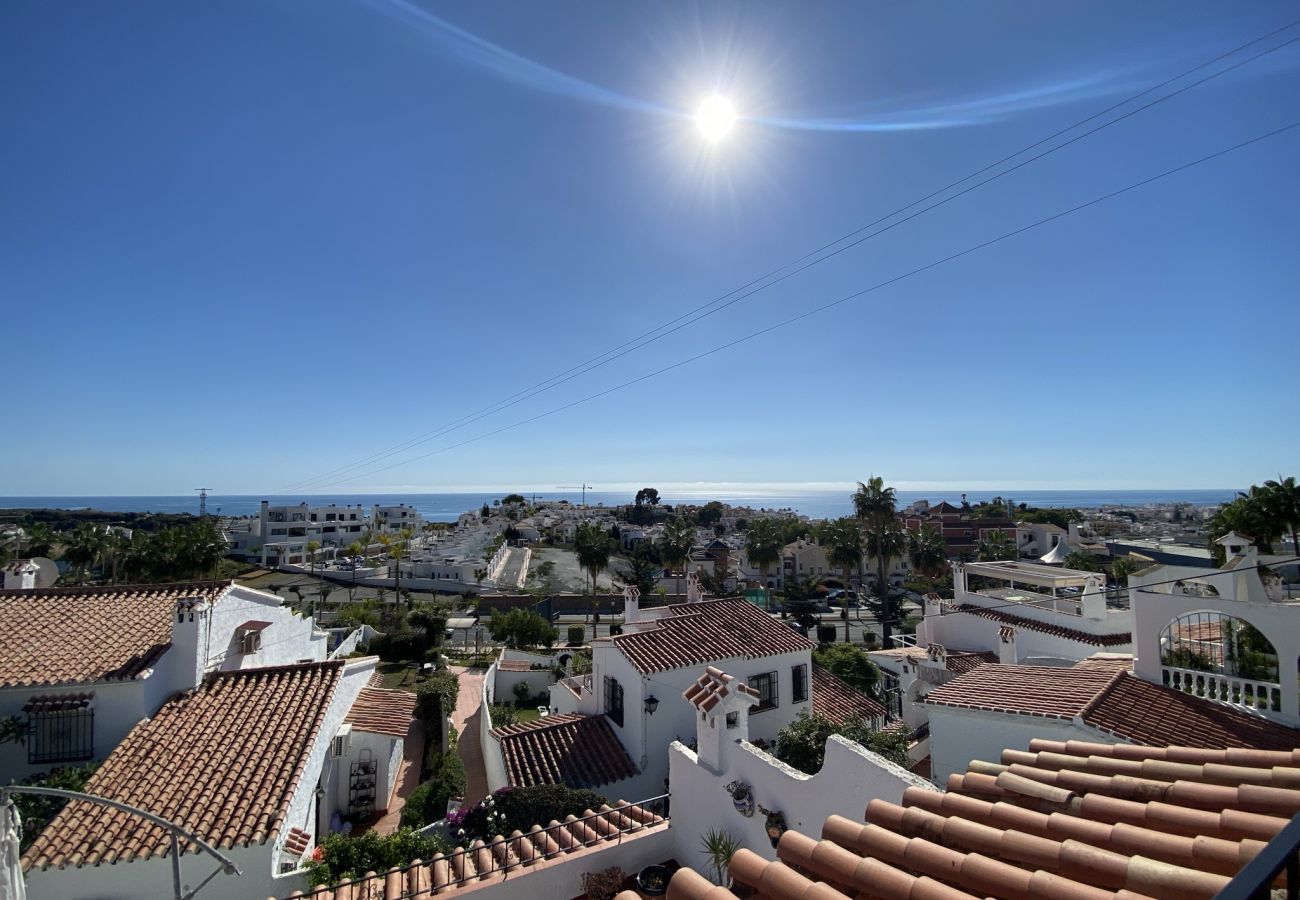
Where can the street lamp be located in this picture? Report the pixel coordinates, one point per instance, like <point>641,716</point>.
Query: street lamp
<point>651,704</point>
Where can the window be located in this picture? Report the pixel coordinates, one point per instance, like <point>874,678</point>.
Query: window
<point>799,683</point>
<point>765,684</point>
<point>614,700</point>
<point>250,640</point>
<point>60,729</point>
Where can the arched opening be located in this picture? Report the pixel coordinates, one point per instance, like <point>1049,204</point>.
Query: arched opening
<point>1221,658</point>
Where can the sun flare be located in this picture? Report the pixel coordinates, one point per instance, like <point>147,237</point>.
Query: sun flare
<point>715,118</point>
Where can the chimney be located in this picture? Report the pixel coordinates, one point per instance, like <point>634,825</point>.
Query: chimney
<point>20,575</point>
<point>693,592</point>
<point>936,657</point>
<point>191,624</point>
<point>1007,646</point>
<point>631,604</point>
<point>1093,602</point>
<point>721,705</point>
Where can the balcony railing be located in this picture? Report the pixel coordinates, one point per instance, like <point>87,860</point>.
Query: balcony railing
<point>578,684</point>
<point>1259,696</point>
<point>1260,876</point>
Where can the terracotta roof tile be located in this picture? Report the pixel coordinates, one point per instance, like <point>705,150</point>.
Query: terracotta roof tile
<point>382,711</point>
<point>297,842</point>
<point>839,701</point>
<point>1072,634</point>
<point>572,749</point>
<point>1040,824</point>
<point>84,635</point>
<point>1115,702</point>
<point>711,687</point>
<point>504,856</point>
<point>513,665</point>
<point>698,633</point>
<point>222,760</point>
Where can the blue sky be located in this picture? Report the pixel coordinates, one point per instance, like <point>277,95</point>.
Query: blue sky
<point>247,243</point>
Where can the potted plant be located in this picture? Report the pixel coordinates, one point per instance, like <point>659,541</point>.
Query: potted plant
<point>653,880</point>
<point>742,797</point>
<point>719,846</point>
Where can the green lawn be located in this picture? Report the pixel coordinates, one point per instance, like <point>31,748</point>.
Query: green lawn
<point>399,676</point>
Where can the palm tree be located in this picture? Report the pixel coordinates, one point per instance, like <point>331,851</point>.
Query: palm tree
<point>994,546</point>
<point>1084,562</point>
<point>876,507</point>
<point>593,547</point>
<point>313,547</point>
<point>927,551</point>
<point>40,539</point>
<point>117,547</point>
<point>82,548</point>
<point>675,546</point>
<point>394,549</point>
<point>843,539</point>
<point>763,543</point>
<point>1282,502</point>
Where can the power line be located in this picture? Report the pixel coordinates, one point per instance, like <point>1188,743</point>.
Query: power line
<point>807,260</point>
<point>834,303</point>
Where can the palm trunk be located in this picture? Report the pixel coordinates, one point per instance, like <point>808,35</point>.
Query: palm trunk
<point>886,613</point>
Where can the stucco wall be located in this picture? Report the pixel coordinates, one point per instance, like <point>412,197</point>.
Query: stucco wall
<point>958,736</point>
<point>289,638</point>
<point>850,777</point>
<point>493,761</point>
<point>152,878</point>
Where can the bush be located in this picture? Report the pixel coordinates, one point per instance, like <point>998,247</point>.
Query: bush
<point>503,715</point>
<point>850,664</point>
<point>399,646</point>
<point>826,634</point>
<point>523,696</point>
<point>36,810</point>
<point>511,809</point>
<point>428,802</point>
<point>340,856</point>
<point>435,700</point>
<point>604,884</point>
<point>576,633</point>
<point>521,628</point>
<point>802,743</point>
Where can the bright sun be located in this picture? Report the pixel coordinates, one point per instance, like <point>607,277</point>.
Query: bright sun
<point>715,118</point>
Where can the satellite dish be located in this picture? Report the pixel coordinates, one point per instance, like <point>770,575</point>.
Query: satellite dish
<point>49,572</point>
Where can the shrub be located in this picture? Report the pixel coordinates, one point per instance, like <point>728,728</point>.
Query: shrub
<point>428,802</point>
<point>576,633</point>
<point>826,634</point>
<point>399,646</point>
<point>511,809</point>
<point>435,699</point>
<point>36,810</point>
<point>523,696</point>
<point>340,856</point>
<point>604,884</point>
<point>503,715</point>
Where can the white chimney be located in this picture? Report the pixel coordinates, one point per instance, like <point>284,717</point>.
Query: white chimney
<point>693,592</point>
<point>21,575</point>
<point>191,624</point>
<point>721,705</point>
<point>1007,646</point>
<point>631,604</point>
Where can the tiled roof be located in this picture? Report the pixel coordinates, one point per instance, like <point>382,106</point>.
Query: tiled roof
<point>503,857</point>
<point>1115,702</point>
<point>711,687</point>
<point>1054,692</point>
<point>839,701</point>
<point>697,633</point>
<point>297,842</point>
<point>513,665</point>
<point>572,749</point>
<point>222,760</point>
<point>1138,711</point>
<point>1061,820</point>
<point>957,661</point>
<point>382,711</point>
<point>84,635</point>
<point>1072,634</point>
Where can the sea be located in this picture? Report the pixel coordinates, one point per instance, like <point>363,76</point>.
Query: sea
<point>447,507</point>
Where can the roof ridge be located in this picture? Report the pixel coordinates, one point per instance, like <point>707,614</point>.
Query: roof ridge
<point>1101,694</point>
<point>67,590</point>
<point>284,667</point>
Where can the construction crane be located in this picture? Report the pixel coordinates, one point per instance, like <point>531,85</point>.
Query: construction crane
<point>203,502</point>
<point>584,487</point>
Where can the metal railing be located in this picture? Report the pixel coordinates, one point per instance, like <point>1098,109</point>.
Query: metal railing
<point>1257,880</point>
<point>483,859</point>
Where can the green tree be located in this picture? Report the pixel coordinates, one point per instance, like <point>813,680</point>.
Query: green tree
<point>82,548</point>
<point>875,505</point>
<point>800,596</point>
<point>927,551</point>
<point>313,547</point>
<point>1281,501</point>
<point>514,498</point>
<point>1122,567</point>
<point>851,665</point>
<point>1245,514</point>
<point>994,546</point>
<point>843,540</point>
<point>802,743</point>
<point>1083,562</point>
<point>521,629</point>
<point>40,539</point>
<point>710,513</point>
<point>675,546</point>
<point>764,540</point>
<point>642,571</point>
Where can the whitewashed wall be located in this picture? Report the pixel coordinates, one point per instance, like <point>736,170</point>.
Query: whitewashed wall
<point>958,736</point>
<point>152,878</point>
<point>290,638</point>
<point>851,777</point>
<point>494,763</point>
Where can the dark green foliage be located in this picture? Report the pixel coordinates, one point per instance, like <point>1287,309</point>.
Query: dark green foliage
<point>435,700</point>
<point>1061,518</point>
<point>343,856</point>
<point>428,802</point>
<point>522,628</point>
<point>503,714</point>
<point>523,807</point>
<point>513,498</point>
<point>710,513</point>
<point>523,696</point>
<point>849,664</point>
<point>826,634</point>
<point>399,646</point>
<point>576,633</point>
<point>35,810</point>
<point>802,743</point>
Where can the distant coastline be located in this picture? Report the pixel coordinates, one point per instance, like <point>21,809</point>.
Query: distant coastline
<point>445,507</point>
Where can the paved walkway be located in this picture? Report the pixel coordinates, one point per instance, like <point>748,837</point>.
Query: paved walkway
<point>408,778</point>
<point>466,720</point>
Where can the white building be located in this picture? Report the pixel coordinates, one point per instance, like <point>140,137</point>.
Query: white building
<point>81,666</point>
<point>285,531</point>
<point>638,677</point>
<point>392,519</point>
<point>258,762</point>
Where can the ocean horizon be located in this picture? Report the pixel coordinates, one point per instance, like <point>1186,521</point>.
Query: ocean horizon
<point>446,507</point>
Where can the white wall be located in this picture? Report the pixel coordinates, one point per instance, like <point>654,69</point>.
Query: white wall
<point>289,638</point>
<point>958,736</point>
<point>152,878</point>
<point>493,760</point>
<point>851,776</point>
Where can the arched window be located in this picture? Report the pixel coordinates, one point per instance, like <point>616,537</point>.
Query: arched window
<point>1217,643</point>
